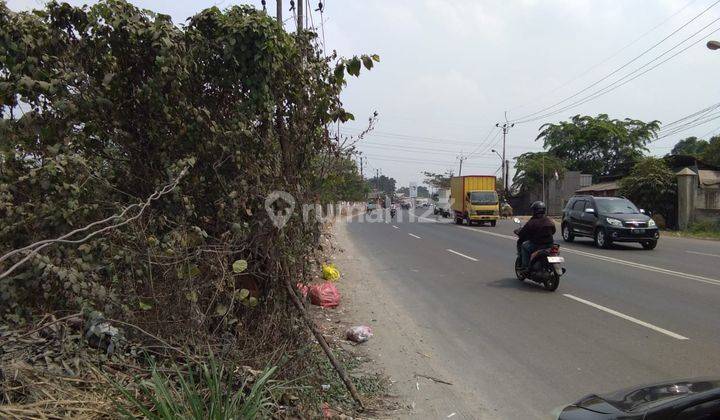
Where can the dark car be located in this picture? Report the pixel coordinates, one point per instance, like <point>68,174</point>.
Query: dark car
<point>608,220</point>
<point>679,400</point>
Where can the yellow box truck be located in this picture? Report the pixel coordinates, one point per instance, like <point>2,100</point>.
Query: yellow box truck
<point>474,199</point>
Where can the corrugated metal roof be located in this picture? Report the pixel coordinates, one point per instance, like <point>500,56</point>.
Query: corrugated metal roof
<point>602,186</point>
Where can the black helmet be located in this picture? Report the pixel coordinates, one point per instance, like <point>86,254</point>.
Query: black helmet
<point>538,208</point>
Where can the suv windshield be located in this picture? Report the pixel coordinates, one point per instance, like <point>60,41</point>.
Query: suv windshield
<point>615,206</point>
<point>479,198</point>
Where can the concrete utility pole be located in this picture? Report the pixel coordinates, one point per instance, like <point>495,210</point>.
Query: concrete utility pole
<point>300,15</point>
<point>278,11</point>
<point>362,173</point>
<point>461,158</point>
<point>505,127</point>
<point>377,181</point>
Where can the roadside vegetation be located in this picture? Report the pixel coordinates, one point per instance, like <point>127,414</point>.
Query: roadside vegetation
<point>136,160</point>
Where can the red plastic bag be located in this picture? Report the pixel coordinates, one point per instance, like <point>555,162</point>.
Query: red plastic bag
<point>302,289</point>
<point>324,294</point>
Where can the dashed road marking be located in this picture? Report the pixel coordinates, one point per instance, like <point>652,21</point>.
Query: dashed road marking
<point>414,236</point>
<point>462,255</point>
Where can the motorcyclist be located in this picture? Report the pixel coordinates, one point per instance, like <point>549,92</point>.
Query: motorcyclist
<point>536,234</point>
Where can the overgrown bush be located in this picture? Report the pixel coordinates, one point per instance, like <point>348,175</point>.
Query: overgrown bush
<point>652,186</point>
<point>104,105</point>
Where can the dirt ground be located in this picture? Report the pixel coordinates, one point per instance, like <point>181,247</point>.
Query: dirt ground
<point>398,347</point>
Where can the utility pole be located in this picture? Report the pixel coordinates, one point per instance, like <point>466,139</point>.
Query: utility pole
<point>278,11</point>
<point>543,180</point>
<point>377,181</point>
<point>362,174</point>
<point>505,127</point>
<point>461,158</point>
<point>300,15</point>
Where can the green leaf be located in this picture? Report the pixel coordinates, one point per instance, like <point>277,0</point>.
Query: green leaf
<point>353,67</point>
<point>242,294</point>
<point>191,296</point>
<point>252,302</point>
<point>144,305</point>
<point>239,266</point>
<point>193,271</point>
<point>367,62</point>
<point>220,309</point>
<point>340,71</point>
<point>375,58</point>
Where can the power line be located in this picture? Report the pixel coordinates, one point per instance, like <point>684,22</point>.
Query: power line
<point>611,87</point>
<point>527,116</point>
<point>615,54</point>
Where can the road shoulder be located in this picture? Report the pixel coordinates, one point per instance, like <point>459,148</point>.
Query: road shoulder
<point>398,345</point>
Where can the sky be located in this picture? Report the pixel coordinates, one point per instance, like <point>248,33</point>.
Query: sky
<point>451,69</point>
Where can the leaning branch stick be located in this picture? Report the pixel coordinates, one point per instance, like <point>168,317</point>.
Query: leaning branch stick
<point>321,340</point>
<point>36,247</point>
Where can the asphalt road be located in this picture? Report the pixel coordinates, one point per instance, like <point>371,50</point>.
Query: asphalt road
<point>621,317</point>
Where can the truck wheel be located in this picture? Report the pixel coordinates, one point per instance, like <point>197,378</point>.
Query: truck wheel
<point>458,221</point>
<point>493,223</point>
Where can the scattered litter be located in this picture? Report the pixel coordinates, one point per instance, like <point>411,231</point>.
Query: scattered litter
<point>325,387</point>
<point>440,381</point>
<point>324,294</point>
<point>417,385</point>
<point>101,335</point>
<point>359,334</point>
<point>451,414</point>
<point>423,354</point>
<point>329,272</point>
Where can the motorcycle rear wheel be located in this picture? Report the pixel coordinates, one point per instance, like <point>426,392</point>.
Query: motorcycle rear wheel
<point>552,283</point>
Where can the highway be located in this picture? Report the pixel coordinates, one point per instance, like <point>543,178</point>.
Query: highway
<point>621,316</point>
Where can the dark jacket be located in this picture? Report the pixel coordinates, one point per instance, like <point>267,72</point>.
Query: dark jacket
<point>538,230</point>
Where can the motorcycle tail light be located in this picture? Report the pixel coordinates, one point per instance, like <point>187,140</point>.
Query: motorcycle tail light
<point>555,250</point>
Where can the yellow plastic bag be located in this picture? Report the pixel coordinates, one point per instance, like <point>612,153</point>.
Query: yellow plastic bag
<point>329,272</point>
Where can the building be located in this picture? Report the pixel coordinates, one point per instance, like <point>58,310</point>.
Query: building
<point>602,189</point>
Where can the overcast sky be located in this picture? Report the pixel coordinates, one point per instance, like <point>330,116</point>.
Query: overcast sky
<point>450,69</point>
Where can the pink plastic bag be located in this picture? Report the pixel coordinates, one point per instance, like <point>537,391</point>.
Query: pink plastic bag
<point>359,334</point>
<point>324,294</point>
<point>302,289</point>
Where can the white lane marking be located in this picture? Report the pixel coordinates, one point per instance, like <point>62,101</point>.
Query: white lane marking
<point>462,255</point>
<point>414,236</point>
<point>627,317</point>
<point>499,235</point>
<point>703,253</point>
<point>395,227</point>
<point>617,260</point>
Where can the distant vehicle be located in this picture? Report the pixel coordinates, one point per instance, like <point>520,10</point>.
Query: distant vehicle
<point>425,204</point>
<point>371,205</point>
<point>442,206</point>
<point>545,266</point>
<point>474,199</point>
<point>681,400</point>
<point>608,220</point>
<point>405,205</point>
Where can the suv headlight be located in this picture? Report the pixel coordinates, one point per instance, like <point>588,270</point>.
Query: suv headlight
<point>651,223</point>
<point>613,222</point>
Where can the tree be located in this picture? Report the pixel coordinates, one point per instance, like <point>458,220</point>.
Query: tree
<point>652,185</point>
<point>529,170</point>
<point>436,180</point>
<point>423,192</point>
<point>598,145</point>
<point>403,190</point>
<point>385,184</point>
<point>691,146</point>
<point>711,154</point>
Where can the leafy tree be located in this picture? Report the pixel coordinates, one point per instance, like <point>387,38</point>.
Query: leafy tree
<point>436,180</point>
<point>343,181</point>
<point>384,184</point>
<point>403,190</point>
<point>598,145</point>
<point>529,170</point>
<point>651,185</point>
<point>711,154</point>
<point>691,146</point>
<point>423,192</point>
<point>102,105</point>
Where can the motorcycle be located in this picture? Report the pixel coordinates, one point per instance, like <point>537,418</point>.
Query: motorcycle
<point>392,213</point>
<point>545,266</point>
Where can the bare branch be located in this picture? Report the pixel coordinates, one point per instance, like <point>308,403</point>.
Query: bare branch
<point>38,246</point>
